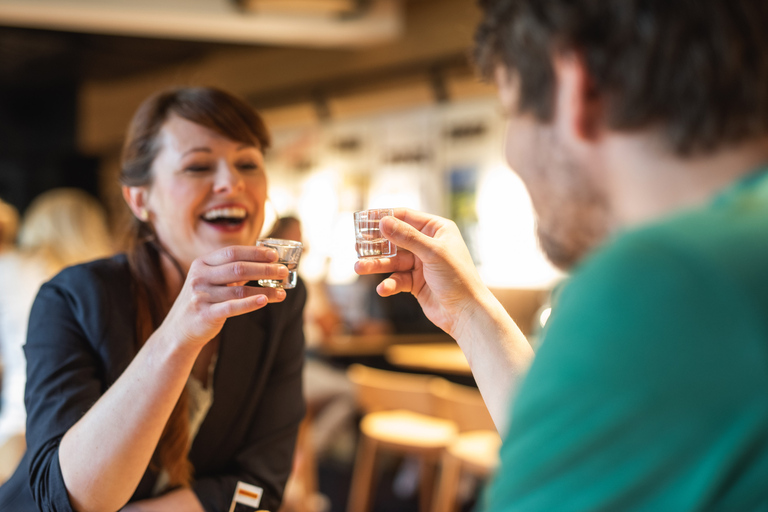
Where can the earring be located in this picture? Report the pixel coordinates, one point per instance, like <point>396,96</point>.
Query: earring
<point>144,215</point>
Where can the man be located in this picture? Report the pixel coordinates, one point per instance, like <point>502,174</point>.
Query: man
<point>640,128</point>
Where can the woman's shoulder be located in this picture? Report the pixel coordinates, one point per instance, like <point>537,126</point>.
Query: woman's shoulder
<point>92,285</point>
<point>112,271</point>
<point>95,295</point>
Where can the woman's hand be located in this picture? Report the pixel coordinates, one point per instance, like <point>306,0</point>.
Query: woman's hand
<point>215,290</point>
<point>432,263</point>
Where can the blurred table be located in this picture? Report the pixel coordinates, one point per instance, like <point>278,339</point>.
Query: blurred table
<point>348,345</point>
<point>444,357</point>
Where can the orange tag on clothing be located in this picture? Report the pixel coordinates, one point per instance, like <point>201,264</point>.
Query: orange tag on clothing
<point>247,498</point>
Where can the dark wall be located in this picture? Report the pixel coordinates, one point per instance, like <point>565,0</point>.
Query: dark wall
<point>40,72</point>
<point>38,117</point>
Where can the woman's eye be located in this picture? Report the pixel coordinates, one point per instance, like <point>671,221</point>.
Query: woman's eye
<point>198,168</point>
<point>247,166</point>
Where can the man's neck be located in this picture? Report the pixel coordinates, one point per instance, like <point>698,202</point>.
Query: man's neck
<point>646,182</point>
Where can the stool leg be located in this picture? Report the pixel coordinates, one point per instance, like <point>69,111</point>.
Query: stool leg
<point>427,484</point>
<point>447,487</point>
<point>361,488</point>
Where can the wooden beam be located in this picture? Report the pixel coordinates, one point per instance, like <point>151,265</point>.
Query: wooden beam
<point>434,30</point>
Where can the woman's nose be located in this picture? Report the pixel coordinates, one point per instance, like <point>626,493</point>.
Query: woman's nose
<point>227,178</point>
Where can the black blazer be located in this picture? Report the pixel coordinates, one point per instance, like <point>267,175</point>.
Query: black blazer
<point>82,337</point>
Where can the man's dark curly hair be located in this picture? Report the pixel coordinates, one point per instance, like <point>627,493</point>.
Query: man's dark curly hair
<point>697,69</point>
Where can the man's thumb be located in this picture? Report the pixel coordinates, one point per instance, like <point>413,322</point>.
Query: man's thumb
<point>404,235</point>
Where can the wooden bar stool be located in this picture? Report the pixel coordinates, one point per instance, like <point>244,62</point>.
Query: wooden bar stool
<point>474,451</point>
<point>398,418</point>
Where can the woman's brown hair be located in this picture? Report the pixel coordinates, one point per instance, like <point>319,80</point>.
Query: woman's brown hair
<point>224,114</point>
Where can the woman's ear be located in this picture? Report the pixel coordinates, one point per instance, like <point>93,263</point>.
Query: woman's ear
<point>136,199</point>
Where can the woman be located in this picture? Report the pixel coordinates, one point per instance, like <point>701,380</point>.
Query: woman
<point>61,227</point>
<point>156,379</point>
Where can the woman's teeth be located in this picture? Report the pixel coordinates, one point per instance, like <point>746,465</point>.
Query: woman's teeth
<point>231,214</point>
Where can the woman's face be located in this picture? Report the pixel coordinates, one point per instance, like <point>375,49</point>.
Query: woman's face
<point>207,191</point>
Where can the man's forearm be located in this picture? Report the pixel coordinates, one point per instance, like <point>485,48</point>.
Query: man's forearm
<point>498,354</point>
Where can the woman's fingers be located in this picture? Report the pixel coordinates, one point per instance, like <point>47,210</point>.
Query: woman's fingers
<point>239,271</point>
<point>234,253</point>
<point>236,307</point>
<point>216,294</point>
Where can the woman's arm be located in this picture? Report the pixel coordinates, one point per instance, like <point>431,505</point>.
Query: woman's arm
<point>437,269</point>
<point>174,501</point>
<point>103,456</point>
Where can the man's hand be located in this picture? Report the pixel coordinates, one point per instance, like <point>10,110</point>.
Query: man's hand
<point>433,263</point>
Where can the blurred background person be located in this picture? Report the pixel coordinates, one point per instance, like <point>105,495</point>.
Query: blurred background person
<point>60,228</point>
<point>287,228</point>
<point>9,224</point>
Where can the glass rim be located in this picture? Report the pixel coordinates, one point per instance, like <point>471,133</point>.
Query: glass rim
<point>376,210</point>
<point>279,241</point>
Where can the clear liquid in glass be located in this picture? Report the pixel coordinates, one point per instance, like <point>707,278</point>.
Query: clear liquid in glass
<point>376,248</point>
<point>287,283</point>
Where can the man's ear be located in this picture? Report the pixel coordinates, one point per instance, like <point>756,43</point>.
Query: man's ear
<point>136,199</point>
<point>578,104</point>
<point>508,87</point>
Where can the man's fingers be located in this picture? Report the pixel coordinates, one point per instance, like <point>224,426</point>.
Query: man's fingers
<point>396,283</point>
<point>406,236</point>
<point>424,222</point>
<point>401,262</point>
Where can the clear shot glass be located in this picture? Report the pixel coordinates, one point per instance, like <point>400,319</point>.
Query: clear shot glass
<point>369,242</point>
<point>288,254</point>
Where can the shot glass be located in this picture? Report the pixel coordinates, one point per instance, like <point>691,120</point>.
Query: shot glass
<point>369,242</point>
<point>288,254</point>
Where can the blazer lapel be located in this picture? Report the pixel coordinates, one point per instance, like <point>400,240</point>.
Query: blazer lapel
<point>241,352</point>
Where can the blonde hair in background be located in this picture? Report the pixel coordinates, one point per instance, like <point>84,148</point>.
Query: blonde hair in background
<point>63,227</point>
<point>9,225</point>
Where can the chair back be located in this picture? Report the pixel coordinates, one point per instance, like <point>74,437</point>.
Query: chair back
<point>382,390</point>
<point>462,404</point>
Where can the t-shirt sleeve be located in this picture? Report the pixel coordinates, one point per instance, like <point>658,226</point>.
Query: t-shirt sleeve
<point>636,380</point>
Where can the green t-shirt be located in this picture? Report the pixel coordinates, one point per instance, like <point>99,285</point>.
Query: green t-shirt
<point>650,388</point>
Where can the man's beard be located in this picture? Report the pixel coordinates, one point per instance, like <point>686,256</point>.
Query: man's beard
<point>577,217</point>
<point>566,253</point>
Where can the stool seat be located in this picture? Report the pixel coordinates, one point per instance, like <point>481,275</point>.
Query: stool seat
<point>474,452</point>
<point>478,450</point>
<point>399,418</point>
<point>409,429</point>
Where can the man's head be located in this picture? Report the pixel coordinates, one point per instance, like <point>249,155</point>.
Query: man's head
<point>694,72</point>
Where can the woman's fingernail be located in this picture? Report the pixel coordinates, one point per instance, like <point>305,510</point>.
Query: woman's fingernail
<point>261,300</point>
<point>280,294</point>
